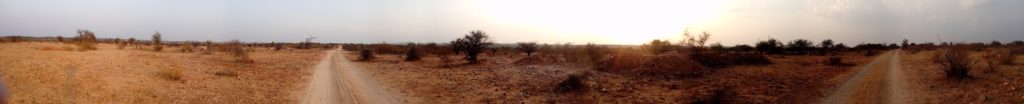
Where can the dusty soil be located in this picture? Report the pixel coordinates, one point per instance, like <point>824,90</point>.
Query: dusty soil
<point>1005,85</point>
<point>879,81</point>
<point>335,81</point>
<point>792,79</point>
<point>44,73</point>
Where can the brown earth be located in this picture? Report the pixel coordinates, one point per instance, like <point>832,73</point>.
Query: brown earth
<point>1004,85</point>
<point>38,72</point>
<point>792,79</point>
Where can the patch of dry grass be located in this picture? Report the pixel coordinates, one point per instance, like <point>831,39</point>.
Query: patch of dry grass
<point>1005,84</point>
<point>109,75</point>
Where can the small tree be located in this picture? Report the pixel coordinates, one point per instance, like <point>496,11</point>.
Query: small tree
<point>130,41</point>
<point>236,49</point>
<point>86,40</point>
<point>697,42</point>
<point>905,43</point>
<point>995,43</point>
<point>826,46</point>
<point>60,38</point>
<point>413,54</point>
<point>472,45</point>
<point>157,46</point>
<point>800,46</point>
<point>120,44</point>
<point>528,47</point>
<point>770,46</point>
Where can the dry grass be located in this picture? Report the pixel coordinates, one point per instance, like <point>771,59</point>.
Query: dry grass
<point>169,73</point>
<point>109,75</point>
<point>498,79</point>
<point>1004,85</point>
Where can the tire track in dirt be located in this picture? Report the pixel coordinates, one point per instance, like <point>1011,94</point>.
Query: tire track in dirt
<point>336,81</point>
<point>880,81</point>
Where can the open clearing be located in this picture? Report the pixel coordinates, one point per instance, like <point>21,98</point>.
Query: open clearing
<point>335,81</point>
<point>40,72</point>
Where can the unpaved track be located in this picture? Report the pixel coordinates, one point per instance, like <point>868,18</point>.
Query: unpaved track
<point>335,81</point>
<point>880,81</point>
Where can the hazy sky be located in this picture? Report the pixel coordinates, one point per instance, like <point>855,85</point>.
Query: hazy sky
<point>547,21</point>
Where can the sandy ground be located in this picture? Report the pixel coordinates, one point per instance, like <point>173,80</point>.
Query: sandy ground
<point>335,81</point>
<point>880,81</point>
<point>39,72</point>
<point>1005,85</point>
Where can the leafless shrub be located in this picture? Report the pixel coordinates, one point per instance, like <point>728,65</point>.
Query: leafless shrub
<point>169,73</point>
<point>1012,54</point>
<point>595,53</point>
<point>955,62</point>
<point>186,47</point>
<point>86,40</point>
<point>573,83</point>
<point>209,47</point>
<point>446,60</point>
<point>238,51</point>
<point>995,58</point>
<point>60,38</point>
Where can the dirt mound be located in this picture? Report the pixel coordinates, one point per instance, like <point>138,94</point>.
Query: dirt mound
<point>532,60</point>
<point>673,65</point>
<point>622,62</point>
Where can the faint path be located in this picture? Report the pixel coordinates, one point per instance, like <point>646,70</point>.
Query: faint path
<point>880,81</point>
<point>335,81</point>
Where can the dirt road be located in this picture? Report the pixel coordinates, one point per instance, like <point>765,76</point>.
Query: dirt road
<point>880,81</point>
<point>335,81</point>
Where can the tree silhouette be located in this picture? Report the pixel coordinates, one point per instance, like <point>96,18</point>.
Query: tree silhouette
<point>472,45</point>
<point>800,46</point>
<point>528,47</point>
<point>156,42</point>
<point>770,46</point>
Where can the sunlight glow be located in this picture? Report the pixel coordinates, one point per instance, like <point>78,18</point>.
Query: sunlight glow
<point>606,21</point>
